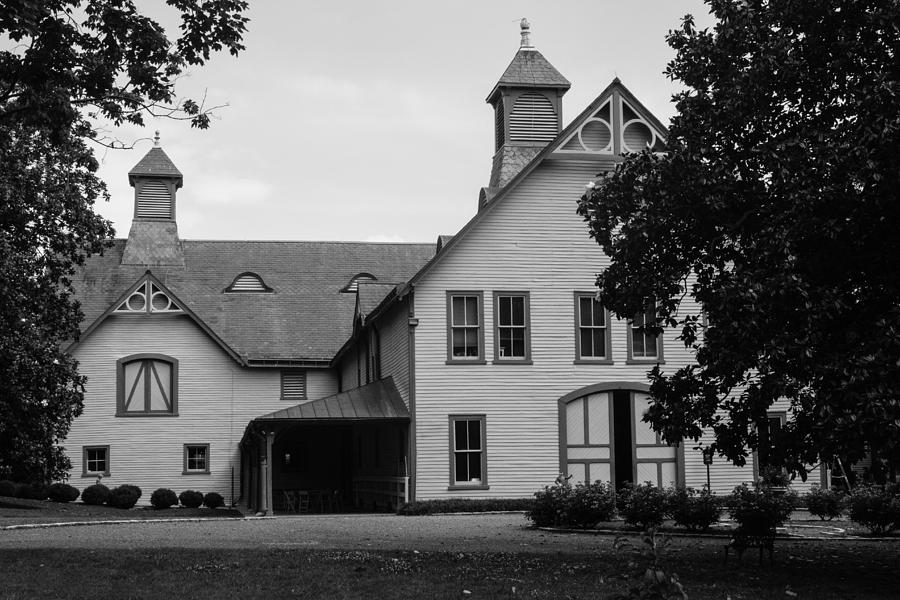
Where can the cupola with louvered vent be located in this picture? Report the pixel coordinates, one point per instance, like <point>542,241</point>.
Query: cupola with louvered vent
<point>153,239</point>
<point>527,105</point>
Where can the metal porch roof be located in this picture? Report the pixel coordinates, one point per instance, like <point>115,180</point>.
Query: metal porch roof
<point>378,400</point>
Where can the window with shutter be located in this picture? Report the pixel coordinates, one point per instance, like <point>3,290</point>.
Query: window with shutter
<point>293,385</point>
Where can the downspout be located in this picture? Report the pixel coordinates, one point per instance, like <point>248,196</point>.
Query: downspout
<point>411,357</point>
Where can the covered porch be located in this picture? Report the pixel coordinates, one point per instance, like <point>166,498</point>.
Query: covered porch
<point>345,452</point>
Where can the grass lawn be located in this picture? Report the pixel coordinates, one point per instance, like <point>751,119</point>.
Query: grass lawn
<point>811,569</point>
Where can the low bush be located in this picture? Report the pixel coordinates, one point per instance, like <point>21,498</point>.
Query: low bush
<point>123,496</point>
<point>95,494</point>
<point>644,505</point>
<point>134,489</point>
<point>33,491</point>
<point>213,500</point>
<point>825,504</point>
<point>63,492</point>
<point>190,498</point>
<point>875,507</point>
<point>581,506</point>
<point>163,498</point>
<point>758,511</point>
<point>431,507</point>
<point>693,510</point>
<point>8,488</point>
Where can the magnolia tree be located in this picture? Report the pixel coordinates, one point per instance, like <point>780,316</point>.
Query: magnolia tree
<point>768,233</point>
<point>66,65</point>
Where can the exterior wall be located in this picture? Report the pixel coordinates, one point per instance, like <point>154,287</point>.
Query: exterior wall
<point>216,399</point>
<point>393,329</point>
<point>533,241</point>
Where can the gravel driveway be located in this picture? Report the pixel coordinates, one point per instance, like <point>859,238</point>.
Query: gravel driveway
<point>456,533</point>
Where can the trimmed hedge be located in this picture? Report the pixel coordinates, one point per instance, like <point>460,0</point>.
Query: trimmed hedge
<point>825,504</point>
<point>644,505</point>
<point>693,510</point>
<point>213,500</point>
<point>759,511</point>
<point>875,507</point>
<point>95,494</point>
<point>123,496</point>
<point>63,492</point>
<point>190,498</point>
<point>581,506</point>
<point>8,488</point>
<point>33,491</point>
<point>163,498</point>
<point>454,505</point>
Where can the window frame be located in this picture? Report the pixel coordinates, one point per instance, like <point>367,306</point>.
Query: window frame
<point>516,360</point>
<point>184,466</point>
<point>459,485</point>
<point>465,360</point>
<point>632,359</point>
<point>121,392</point>
<point>84,460</point>
<point>607,334</point>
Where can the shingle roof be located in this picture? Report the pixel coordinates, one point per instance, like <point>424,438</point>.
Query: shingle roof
<point>155,162</point>
<point>304,318</point>
<point>529,68</point>
<point>378,400</point>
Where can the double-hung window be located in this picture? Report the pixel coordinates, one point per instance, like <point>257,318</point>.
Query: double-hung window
<point>465,330</point>
<point>644,346</point>
<point>147,386</point>
<point>512,336</point>
<point>196,458</point>
<point>592,336</point>
<point>95,461</point>
<point>468,460</point>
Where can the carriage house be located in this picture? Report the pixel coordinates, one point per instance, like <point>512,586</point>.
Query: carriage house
<point>324,375</point>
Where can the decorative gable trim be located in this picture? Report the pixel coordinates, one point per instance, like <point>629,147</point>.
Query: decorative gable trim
<point>149,282</point>
<point>248,282</point>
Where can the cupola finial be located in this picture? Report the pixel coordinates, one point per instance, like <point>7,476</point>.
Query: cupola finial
<point>156,139</point>
<point>526,34</point>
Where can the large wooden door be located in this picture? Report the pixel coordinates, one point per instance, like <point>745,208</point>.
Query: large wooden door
<point>605,439</point>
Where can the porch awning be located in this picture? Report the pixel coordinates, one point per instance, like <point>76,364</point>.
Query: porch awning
<point>378,400</point>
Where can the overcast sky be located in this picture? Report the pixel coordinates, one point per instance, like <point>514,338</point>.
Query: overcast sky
<point>361,120</point>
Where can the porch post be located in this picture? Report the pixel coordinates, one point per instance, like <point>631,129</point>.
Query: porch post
<point>267,473</point>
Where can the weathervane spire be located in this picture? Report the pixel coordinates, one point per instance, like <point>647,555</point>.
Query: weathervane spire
<point>156,139</point>
<point>526,34</point>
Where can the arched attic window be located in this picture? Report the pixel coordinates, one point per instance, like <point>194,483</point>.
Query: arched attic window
<point>248,282</point>
<point>353,285</point>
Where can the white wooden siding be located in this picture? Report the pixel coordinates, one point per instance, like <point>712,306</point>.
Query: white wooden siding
<point>394,332</point>
<point>217,398</point>
<point>531,241</point>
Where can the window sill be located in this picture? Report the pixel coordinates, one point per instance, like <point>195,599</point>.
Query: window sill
<point>458,361</point>
<point>512,361</point>
<point>592,361</point>
<point>195,472</point>
<point>144,414</point>
<point>644,361</point>
<point>94,475</point>
<point>456,488</point>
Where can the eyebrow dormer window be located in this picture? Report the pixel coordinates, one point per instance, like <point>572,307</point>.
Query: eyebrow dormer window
<point>248,282</point>
<point>353,285</point>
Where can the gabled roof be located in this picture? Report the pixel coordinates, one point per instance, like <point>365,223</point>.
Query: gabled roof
<point>155,162</point>
<point>529,68</point>
<point>377,400</point>
<point>504,192</point>
<point>303,320</point>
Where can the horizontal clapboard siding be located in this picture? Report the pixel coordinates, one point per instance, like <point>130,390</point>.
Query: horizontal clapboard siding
<point>217,398</point>
<point>394,332</point>
<point>534,242</point>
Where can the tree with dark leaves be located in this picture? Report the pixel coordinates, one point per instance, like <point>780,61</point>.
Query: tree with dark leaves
<point>66,66</point>
<point>769,231</point>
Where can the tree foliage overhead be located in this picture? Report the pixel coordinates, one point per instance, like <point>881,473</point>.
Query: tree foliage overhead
<point>65,65</point>
<point>775,210</point>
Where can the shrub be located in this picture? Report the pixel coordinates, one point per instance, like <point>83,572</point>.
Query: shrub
<point>95,494</point>
<point>759,511</point>
<point>63,492</point>
<point>213,500</point>
<point>33,491</point>
<point>644,505</point>
<point>825,504</point>
<point>876,508</point>
<point>8,488</point>
<point>695,511</point>
<point>431,507</point>
<point>163,498</point>
<point>134,489</point>
<point>190,498</point>
<point>580,506</point>
<point>123,496</point>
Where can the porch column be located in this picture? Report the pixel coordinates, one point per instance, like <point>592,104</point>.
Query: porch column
<point>267,474</point>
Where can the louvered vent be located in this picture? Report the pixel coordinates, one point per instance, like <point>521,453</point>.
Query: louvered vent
<point>533,119</point>
<point>248,282</point>
<point>293,385</point>
<point>498,125</point>
<point>154,201</point>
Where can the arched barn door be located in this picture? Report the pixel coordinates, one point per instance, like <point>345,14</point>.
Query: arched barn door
<point>603,437</point>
